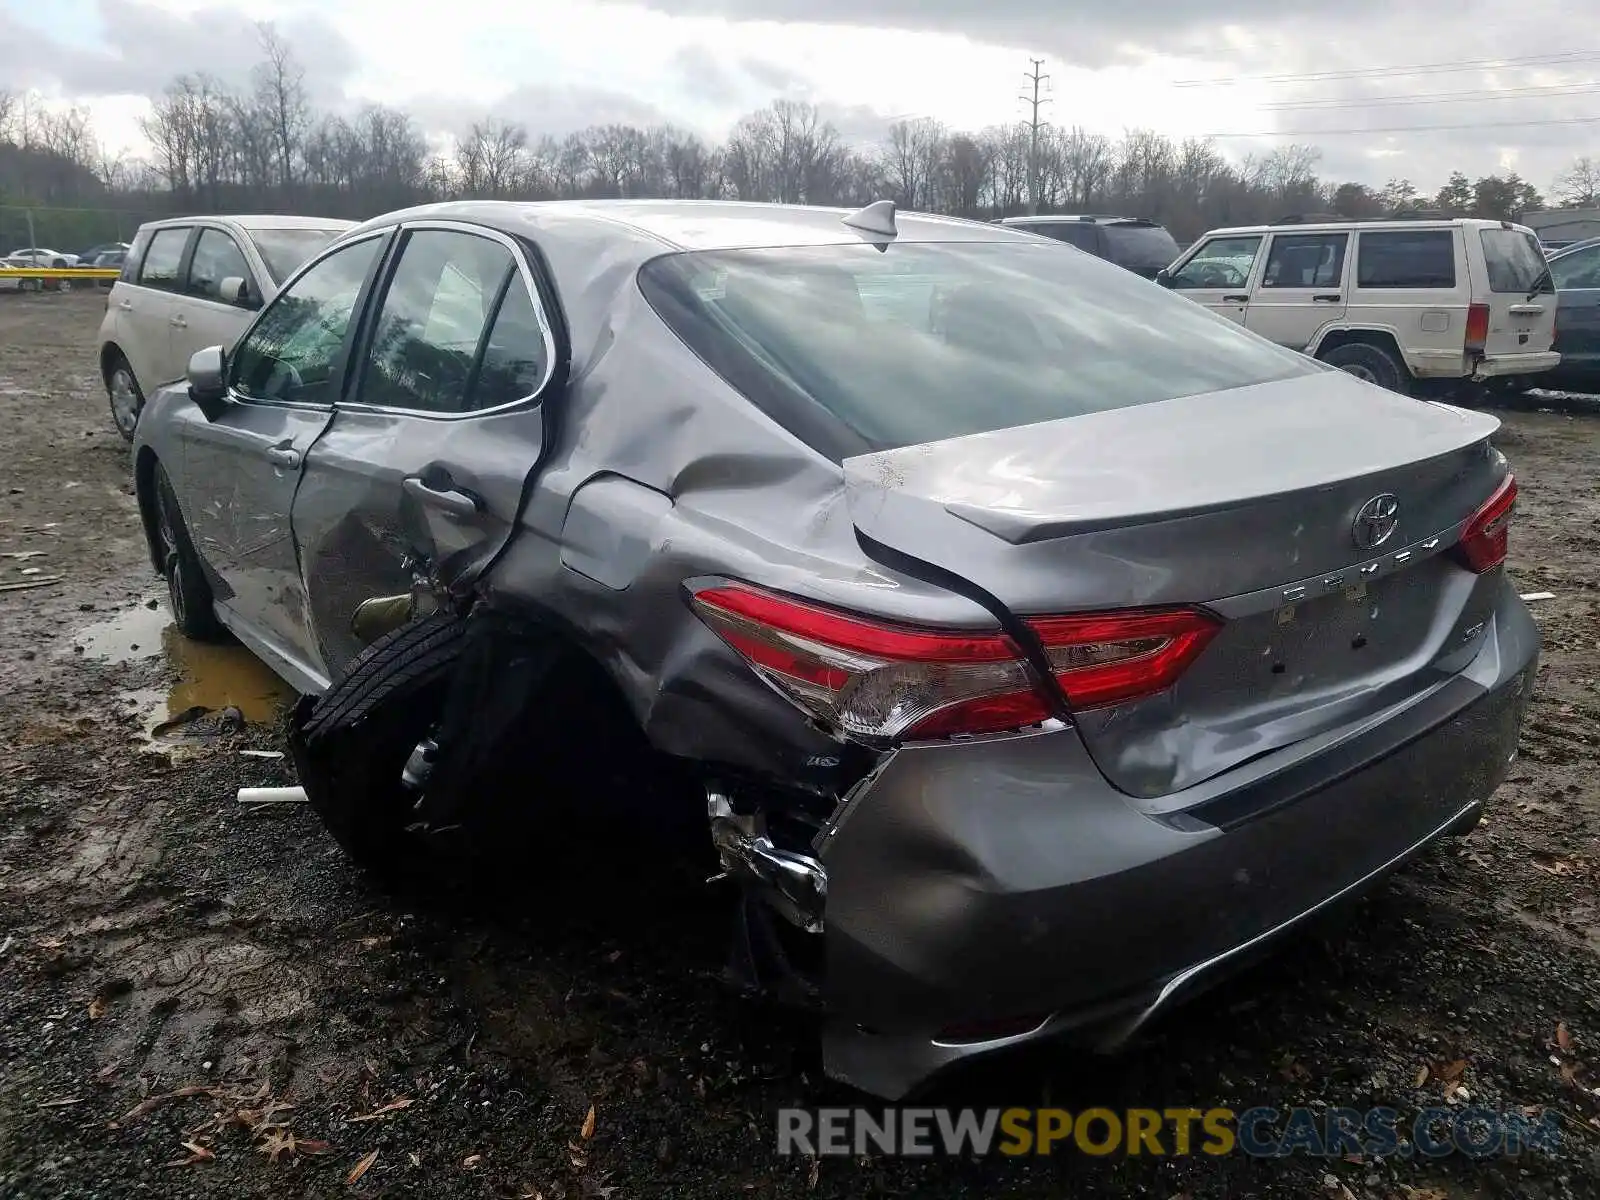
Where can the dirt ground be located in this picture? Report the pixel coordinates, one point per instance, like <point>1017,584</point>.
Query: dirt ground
<point>201,1001</point>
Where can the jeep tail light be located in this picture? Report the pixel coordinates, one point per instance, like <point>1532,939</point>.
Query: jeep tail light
<point>875,680</point>
<point>1477,328</point>
<point>1483,541</point>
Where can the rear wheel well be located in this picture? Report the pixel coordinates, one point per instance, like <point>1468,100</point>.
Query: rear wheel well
<point>1382,339</point>
<point>110,355</point>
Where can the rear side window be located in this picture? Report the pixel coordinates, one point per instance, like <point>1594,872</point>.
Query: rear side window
<point>1406,258</point>
<point>1140,245</point>
<point>1514,261</point>
<point>1075,233</point>
<point>1307,260</point>
<point>162,260</point>
<point>856,348</point>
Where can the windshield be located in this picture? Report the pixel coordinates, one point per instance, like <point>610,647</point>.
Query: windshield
<point>1514,260</point>
<point>1145,245</point>
<point>285,249</point>
<point>920,341</point>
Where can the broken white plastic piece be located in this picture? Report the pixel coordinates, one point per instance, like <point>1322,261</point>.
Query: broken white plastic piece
<point>877,217</point>
<point>272,795</point>
<point>1538,595</point>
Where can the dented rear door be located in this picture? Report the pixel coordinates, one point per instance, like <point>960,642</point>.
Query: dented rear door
<point>421,474</point>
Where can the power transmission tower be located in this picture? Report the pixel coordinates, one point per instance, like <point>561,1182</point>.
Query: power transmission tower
<point>1034,125</point>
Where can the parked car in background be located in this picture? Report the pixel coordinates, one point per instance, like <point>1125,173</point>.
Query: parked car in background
<point>192,282</point>
<point>44,258</point>
<point>88,257</point>
<point>1032,647</point>
<point>18,283</point>
<point>1141,246</point>
<point>1407,304</point>
<point>109,260</point>
<point>1576,272</point>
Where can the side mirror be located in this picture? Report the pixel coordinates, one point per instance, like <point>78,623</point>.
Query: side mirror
<point>208,385</point>
<point>1164,277</point>
<point>236,291</point>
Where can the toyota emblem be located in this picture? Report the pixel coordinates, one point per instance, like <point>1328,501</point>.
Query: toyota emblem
<point>1375,522</point>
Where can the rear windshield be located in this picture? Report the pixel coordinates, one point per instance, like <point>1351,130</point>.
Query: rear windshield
<point>1515,262</point>
<point>1144,245</point>
<point>853,348</point>
<point>285,249</point>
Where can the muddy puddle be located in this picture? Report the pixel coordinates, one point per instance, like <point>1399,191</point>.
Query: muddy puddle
<point>212,682</point>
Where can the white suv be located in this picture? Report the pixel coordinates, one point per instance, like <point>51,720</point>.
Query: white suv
<point>1400,303</point>
<point>191,283</point>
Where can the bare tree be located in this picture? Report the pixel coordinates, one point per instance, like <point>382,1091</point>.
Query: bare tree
<point>280,95</point>
<point>1579,185</point>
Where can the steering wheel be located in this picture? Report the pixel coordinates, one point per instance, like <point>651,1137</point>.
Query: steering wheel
<point>1218,275</point>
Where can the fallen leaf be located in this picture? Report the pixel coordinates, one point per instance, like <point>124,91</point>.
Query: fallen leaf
<point>60,1103</point>
<point>587,1131</point>
<point>1422,1075</point>
<point>97,1008</point>
<point>197,1154</point>
<point>1563,1036</point>
<point>813,1174</point>
<point>414,1158</point>
<point>392,1106</point>
<point>151,1103</point>
<point>1451,1071</point>
<point>471,1161</point>
<point>360,1169</point>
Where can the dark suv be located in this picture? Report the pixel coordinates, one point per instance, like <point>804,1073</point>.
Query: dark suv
<point>1143,247</point>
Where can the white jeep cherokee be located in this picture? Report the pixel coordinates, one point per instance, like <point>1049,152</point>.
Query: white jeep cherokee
<point>1397,302</point>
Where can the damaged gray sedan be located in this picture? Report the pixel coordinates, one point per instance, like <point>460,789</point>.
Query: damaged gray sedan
<point>1034,646</point>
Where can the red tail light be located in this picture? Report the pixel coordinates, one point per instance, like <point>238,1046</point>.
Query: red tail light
<point>876,680</point>
<point>1484,540</point>
<point>1477,328</point>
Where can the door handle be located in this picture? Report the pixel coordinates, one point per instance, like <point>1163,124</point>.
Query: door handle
<point>451,500</point>
<point>1329,299</point>
<point>178,323</point>
<point>1236,299</point>
<point>283,456</point>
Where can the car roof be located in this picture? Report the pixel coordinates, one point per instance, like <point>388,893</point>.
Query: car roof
<point>1570,247</point>
<point>1085,218</point>
<point>656,226</point>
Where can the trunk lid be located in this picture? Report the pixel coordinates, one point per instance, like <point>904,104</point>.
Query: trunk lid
<point>1245,502</point>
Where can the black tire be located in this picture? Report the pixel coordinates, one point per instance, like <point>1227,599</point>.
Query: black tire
<point>1372,363</point>
<point>351,766</point>
<point>188,592</point>
<point>125,396</point>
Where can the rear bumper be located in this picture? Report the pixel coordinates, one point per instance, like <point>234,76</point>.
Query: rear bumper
<point>1005,887</point>
<point>1500,365</point>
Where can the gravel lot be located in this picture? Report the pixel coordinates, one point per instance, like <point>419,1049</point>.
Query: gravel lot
<point>173,970</point>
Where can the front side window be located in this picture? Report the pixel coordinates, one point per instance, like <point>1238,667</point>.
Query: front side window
<point>438,304</point>
<point>1221,263</point>
<point>1406,258</point>
<point>1577,270</point>
<point>163,260</point>
<point>290,354</point>
<point>1309,260</point>
<point>923,341</point>
<point>216,257</point>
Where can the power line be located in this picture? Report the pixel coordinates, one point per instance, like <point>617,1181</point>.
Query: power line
<point>1033,131</point>
<point>1321,133</point>
<point>1561,58</point>
<point>1480,95</point>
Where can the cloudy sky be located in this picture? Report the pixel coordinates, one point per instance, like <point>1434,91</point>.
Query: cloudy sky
<point>1385,89</point>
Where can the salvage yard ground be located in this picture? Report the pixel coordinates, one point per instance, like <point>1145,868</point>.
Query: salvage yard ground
<point>201,1001</point>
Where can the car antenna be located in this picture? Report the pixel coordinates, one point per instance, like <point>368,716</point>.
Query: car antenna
<point>877,217</point>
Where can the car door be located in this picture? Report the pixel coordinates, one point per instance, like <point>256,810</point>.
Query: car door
<point>1218,274</point>
<point>243,465</point>
<point>145,317</point>
<point>420,475</point>
<point>200,316</point>
<point>1301,289</point>
<point>1577,280</point>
